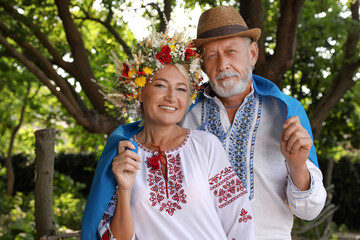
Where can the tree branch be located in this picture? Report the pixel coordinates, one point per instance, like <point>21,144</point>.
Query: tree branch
<point>111,29</point>
<point>8,159</point>
<point>83,73</point>
<point>252,12</point>
<point>164,15</point>
<point>92,121</point>
<point>43,63</point>
<point>274,66</point>
<point>39,35</point>
<point>343,81</point>
<point>72,109</point>
<point>165,18</point>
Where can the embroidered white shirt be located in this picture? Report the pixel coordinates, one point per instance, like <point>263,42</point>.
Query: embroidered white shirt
<point>252,143</point>
<point>202,198</point>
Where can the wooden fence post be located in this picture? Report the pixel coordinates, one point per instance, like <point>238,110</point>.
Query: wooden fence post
<point>44,172</point>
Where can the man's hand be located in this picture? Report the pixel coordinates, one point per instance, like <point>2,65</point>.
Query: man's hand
<point>295,145</point>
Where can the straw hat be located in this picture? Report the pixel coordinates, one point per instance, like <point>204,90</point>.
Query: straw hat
<point>223,22</point>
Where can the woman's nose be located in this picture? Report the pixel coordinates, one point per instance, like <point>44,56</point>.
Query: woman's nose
<point>170,95</point>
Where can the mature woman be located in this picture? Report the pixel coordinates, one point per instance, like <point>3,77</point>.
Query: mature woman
<point>179,184</point>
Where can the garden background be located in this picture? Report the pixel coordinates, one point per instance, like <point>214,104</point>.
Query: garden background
<point>52,53</point>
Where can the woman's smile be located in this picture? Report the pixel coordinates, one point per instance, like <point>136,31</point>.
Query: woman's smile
<point>168,108</point>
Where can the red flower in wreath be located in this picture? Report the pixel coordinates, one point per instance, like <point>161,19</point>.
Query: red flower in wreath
<point>189,53</point>
<point>125,70</point>
<point>164,55</point>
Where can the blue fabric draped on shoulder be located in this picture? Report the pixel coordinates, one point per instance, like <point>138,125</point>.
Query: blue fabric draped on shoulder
<point>294,107</point>
<point>104,182</point>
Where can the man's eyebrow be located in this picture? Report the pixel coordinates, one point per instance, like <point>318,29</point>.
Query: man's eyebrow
<point>209,51</point>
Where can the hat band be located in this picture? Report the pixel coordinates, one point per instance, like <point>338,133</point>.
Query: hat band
<point>223,31</point>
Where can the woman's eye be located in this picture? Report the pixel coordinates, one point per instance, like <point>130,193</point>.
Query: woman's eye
<point>159,85</point>
<point>182,89</point>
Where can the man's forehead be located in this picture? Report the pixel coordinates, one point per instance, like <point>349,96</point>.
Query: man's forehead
<point>222,43</point>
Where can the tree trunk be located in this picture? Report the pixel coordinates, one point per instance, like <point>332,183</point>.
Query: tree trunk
<point>274,66</point>
<point>10,174</point>
<point>44,171</point>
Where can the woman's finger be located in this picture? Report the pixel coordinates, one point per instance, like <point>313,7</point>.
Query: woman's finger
<point>125,144</point>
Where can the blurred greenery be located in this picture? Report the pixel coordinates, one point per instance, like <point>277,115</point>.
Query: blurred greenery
<point>17,219</point>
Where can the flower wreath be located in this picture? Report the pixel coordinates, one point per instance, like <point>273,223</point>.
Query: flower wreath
<point>148,57</point>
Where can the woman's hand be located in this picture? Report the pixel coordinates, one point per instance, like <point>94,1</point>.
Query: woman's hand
<point>125,165</point>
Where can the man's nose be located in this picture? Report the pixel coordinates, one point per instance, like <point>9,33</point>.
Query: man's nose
<point>223,63</point>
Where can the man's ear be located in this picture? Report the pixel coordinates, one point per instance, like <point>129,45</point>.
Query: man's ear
<point>254,53</point>
<point>202,51</point>
<point>203,67</point>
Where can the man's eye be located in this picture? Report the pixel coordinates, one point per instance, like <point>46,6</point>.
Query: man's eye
<point>211,56</point>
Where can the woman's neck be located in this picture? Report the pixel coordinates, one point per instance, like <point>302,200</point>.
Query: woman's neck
<point>165,137</point>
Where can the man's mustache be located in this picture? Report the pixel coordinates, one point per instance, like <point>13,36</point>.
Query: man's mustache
<point>226,74</point>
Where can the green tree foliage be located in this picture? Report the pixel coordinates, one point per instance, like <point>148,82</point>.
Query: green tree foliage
<point>66,43</point>
<point>17,219</point>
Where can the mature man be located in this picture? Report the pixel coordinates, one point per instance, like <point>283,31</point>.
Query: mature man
<point>266,133</point>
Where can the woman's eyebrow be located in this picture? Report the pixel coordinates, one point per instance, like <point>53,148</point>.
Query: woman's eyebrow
<point>161,79</point>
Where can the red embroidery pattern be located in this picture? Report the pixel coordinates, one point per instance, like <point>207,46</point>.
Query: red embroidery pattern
<point>106,235</point>
<point>218,178</point>
<point>105,218</point>
<point>244,217</point>
<point>226,186</point>
<point>113,199</point>
<point>169,195</point>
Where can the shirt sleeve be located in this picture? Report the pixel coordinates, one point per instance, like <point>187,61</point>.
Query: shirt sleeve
<point>229,195</point>
<point>307,204</point>
<point>104,230</point>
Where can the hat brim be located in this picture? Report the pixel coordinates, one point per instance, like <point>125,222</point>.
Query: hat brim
<point>253,33</point>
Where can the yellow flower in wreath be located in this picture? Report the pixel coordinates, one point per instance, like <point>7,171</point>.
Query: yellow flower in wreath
<point>148,71</point>
<point>132,73</point>
<point>193,96</point>
<point>140,81</point>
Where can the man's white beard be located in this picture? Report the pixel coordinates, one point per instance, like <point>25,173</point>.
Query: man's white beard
<point>231,87</point>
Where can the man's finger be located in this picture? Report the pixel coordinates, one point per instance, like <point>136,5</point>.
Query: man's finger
<point>291,120</point>
<point>296,136</point>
